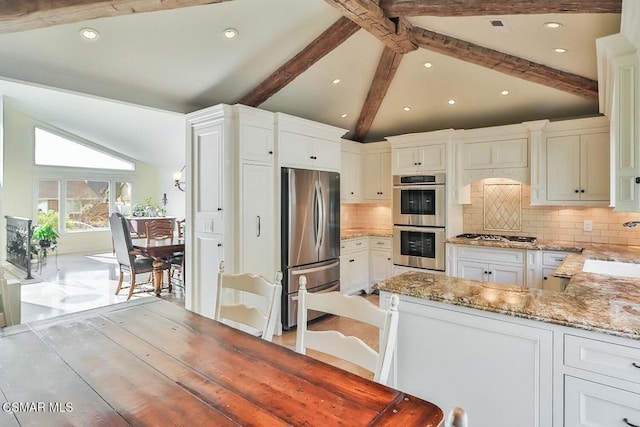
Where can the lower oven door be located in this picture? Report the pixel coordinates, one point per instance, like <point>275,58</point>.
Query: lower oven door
<point>292,302</point>
<point>420,247</point>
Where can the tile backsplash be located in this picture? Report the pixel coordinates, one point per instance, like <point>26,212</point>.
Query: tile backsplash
<point>545,222</point>
<point>373,216</point>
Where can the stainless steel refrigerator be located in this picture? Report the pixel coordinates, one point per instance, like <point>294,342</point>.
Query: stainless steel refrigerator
<point>310,236</point>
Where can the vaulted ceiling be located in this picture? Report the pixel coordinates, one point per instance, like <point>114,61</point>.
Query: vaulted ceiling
<point>171,55</point>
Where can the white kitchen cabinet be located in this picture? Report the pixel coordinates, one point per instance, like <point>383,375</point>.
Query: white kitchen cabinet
<point>256,231</point>
<point>376,170</point>
<point>570,163</point>
<point>354,265</point>
<point>380,259</point>
<point>626,133</point>
<point>541,266</point>
<point>604,389</point>
<point>230,198</point>
<point>577,167</point>
<point>350,174</point>
<point>506,266</point>
<point>307,144</point>
<point>509,153</point>
<point>256,134</point>
<point>420,159</point>
<point>498,371</point>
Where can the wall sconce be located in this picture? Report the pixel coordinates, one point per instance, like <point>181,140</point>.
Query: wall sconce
<point>177,176</point>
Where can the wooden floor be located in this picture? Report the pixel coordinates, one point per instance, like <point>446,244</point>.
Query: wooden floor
<point>74,283</point>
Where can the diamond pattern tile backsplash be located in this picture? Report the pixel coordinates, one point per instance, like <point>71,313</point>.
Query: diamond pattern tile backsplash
<point>503,207</point>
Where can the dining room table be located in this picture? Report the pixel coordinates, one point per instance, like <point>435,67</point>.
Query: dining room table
<point>149,362</point>
<point>161,250</point>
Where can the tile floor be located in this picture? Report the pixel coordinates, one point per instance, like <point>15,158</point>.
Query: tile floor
<point>74,283</point>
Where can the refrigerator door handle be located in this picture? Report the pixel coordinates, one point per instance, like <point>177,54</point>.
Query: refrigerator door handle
<point>314,269</point>
<point>316,215</point>
<point>258,226</point>
<point>321,215</point>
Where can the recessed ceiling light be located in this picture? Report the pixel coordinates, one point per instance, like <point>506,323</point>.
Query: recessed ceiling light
<point>344,115</point>
<point>89,34</point>
<point>335,81</point>
<point>504,93</point>
<point>407,108</point>
<point>230,33</point>
<point>560,50</point>
<point>553,25</point>
<point>451,101</point>
<point>428,65</point>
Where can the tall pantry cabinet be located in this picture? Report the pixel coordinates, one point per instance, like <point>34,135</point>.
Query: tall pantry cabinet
<point>230,198</point>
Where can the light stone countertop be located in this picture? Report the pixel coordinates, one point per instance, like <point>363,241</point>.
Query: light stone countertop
<point>364,232</point>
<point>601,303</point>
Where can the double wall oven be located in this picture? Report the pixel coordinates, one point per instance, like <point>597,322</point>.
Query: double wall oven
<point>419,221</point>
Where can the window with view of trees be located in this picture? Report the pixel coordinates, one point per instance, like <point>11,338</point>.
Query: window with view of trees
<point>84,203</point>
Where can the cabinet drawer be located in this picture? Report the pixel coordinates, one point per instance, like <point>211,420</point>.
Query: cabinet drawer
<point>553,259</point>
<point>592,404</point>
<point>511,256</point>
<point>613,360</point>
<point>351,245</point>
<point>380,243</point>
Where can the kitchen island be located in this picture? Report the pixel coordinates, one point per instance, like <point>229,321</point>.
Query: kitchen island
<point>511,355</point>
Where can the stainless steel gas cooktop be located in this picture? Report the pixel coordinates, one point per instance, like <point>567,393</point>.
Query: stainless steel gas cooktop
<point>498,238</point>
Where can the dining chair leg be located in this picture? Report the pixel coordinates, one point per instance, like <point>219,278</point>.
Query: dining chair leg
<point>133,285</point>
<point>120,282</point>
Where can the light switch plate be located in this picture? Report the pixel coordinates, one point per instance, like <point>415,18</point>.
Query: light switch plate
<point>587,225</point>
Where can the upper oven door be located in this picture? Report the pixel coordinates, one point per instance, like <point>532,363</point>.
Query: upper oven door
<point>422,205</point>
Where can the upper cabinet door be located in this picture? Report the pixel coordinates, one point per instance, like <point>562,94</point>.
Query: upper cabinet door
<point>256,143</point>
<point>563,168</point>
<point>594,166</point>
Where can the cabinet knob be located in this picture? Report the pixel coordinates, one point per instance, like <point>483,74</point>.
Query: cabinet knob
<point>582,191</point>
<point>577,191</point>
<point>219,209</point>
<point>352,192</point>
<point>637,179</point>
<point>486,272</point>
<point>419,163</point>
<point>490,272</point>
<point>313,158</point>
<point>544,278</point>
<point>219,244</point>
<point>389,259</point>
<point>270,152</point>
<point>352,260</point>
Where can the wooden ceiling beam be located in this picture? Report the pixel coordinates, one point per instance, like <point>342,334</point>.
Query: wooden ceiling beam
<point>507,64</point>
<point>395,34</point>
<point>387,67</point>
<point>393,8</point>
<point>331,38</point>
<point>21,15</point>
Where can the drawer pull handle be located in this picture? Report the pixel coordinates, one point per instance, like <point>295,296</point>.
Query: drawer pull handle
<point>558,259</point>
<point>635,365</point>
<point>626,421</point>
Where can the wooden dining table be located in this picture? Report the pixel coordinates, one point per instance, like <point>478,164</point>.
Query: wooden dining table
<point>160,251</point>
<point>152,363</point>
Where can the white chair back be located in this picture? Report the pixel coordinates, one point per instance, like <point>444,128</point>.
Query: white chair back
<point>254,317</point>
<point>349,348</point>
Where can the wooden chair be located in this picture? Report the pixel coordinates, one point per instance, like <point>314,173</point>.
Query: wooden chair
<point>177,262</point>
<point>128,259</point>
<point>349,348</point>
<point>161,229</point>
<point>254,287</point>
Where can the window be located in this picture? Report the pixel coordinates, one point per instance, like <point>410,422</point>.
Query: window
<point>55,150</point>
<point>49,203</point>
<point>87,205</point>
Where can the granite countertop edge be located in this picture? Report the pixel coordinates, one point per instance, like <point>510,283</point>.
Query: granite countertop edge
<point>582,307</point>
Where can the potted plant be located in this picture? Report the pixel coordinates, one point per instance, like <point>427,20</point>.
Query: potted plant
<point>45,235</point>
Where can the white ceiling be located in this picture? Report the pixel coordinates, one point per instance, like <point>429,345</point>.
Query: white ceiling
<point>178,61</point>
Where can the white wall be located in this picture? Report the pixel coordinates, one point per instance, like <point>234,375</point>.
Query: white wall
<point>17,192</point>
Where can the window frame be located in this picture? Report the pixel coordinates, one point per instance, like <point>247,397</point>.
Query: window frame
<point>62,174</point>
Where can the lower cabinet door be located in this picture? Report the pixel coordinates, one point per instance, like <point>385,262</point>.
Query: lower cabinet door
<point>472,270</point>
<point>506,274</point>
<point>590,404</point>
